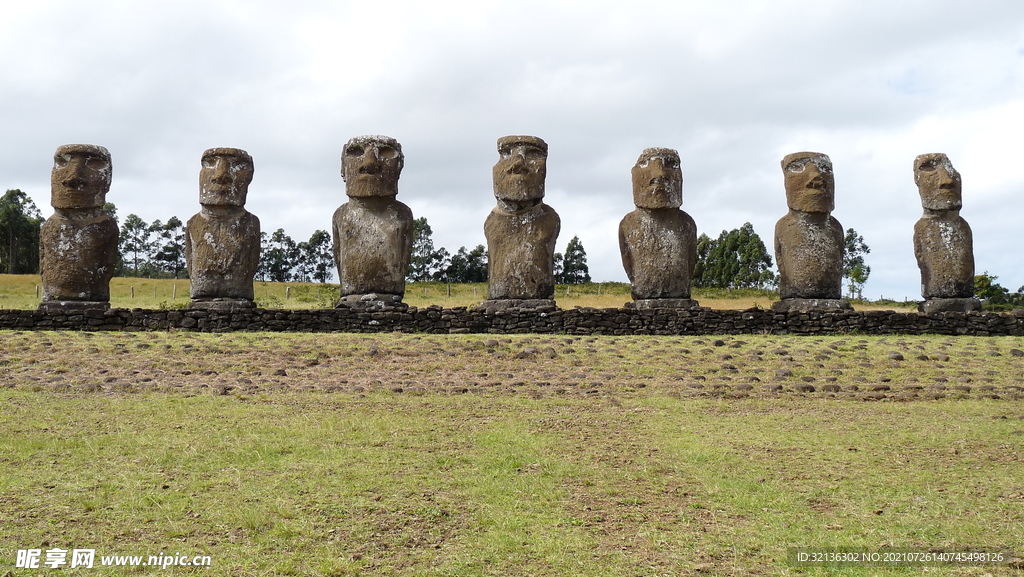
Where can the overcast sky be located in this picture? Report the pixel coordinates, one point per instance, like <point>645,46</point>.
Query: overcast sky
<point>733,86</point>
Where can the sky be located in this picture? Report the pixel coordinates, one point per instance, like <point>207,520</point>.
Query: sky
<point>733,86</point>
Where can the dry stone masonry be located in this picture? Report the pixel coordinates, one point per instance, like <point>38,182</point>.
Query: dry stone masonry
<point>579,321</point>
<point>222,242</point>
<point>809,240</point>
<point>372,231</point>
<point>658,241</point>
<point>521,230</point>
<point>373,234</point>
<point>943,243</point>
<point>78,244</point>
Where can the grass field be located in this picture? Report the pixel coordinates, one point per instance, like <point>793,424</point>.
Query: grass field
<point>396,454</point>
<point>22,292</point>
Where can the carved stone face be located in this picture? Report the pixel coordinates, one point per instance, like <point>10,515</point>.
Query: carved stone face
<point>371,165</point>
<point>810,186</point>
<point>80,177</point>
<point>521,169</point>
<point>657,179</point>
<point>225,176</point>
<point>938,182</point>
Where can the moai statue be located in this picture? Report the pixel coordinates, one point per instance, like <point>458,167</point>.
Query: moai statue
<point>372,231</point>
<point>658,241</point>
<point>222,241</point>
<point>521,230</point>
<point>78,244</point>
<point>808,240</point>
<point>943,243</point>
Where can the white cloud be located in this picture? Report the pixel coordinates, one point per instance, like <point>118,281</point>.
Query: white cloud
<point>732,86</point>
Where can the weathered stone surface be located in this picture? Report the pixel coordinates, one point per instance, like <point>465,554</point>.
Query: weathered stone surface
<point>963,305</point>
<point>523,319</point>
<point>73,306</point>
<point>222,241</point>
<point>369,301</point>
<point>657,241</point>
<point>660,303</point>
<point>521,230</point>
<point>808,240</point>
<point>943,242</point>
<point>807,305</point>
<point>372,231</point>
<point>78,244</point>
<point>222,304</point>
<point>493,305</point>
<point>657,179</point>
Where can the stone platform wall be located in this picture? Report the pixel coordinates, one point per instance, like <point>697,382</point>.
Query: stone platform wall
<point>579,321</point>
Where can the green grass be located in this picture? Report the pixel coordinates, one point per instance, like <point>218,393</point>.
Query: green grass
<point>296,484</point>
<point>191,443</point>
<point>21,292</point>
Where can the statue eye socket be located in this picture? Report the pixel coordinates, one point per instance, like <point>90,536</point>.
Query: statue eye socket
<point>796,167</point>
<point>387,152</point>
<point>96,163</point>
<point>354,151</point>
<point>927,167</point>
<point>62,160</point>
<point>209,162</point>
<point>671,163</point>
<point>534,153</point>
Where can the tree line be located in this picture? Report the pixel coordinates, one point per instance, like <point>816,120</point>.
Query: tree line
<point>430,264</point>
<point>735,259</point>
<point>996,296</point>
<point>739,259</point>
<point>20,220</point>
<point>157,250</point>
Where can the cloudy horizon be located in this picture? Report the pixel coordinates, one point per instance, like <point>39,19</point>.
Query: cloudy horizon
<point>733,87</point>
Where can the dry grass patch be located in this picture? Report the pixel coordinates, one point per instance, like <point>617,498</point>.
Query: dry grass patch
<point>312,454</point>
<point>836,367</point>
<point>21,292</point>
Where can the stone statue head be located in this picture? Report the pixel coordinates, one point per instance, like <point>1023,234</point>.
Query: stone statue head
<point>657,179</point>
<point>225,176</point>
<point>371,165</point>
<point>937,182</point>
<point>80,177</point>
<point>521,169</point>
<point>810,185</point>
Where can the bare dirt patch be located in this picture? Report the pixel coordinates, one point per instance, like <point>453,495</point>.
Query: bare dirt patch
<point>345,454</point>
<point>835,367</point>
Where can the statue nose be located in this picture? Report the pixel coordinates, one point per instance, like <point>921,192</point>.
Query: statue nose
<point>946,179</point>
<point>370,162</point>
<point>76,168</point>
<point>519,164</point>
<point>222,172</point>
<point>816,179</point>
